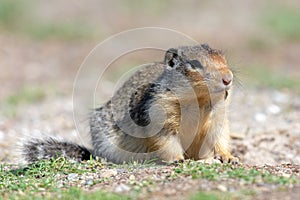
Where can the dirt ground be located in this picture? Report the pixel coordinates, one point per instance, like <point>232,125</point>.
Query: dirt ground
<point>265,121</point>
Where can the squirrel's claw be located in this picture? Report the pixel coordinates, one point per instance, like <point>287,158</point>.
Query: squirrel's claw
<point>228,159</point>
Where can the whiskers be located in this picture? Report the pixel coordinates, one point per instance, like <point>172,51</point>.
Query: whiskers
<point>237,82</point>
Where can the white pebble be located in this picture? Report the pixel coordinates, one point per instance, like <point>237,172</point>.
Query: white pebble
<point>1,136</point>
<point>72,176</point>
<point>222,188</point>
<point>122,188</point>
<point>274,109</point>
<point>132,177</point>
<point>89,182</point>
<point>280,97</point>
<point>260,117</point>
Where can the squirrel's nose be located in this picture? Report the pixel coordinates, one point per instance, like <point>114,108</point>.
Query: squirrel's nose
<point>227,78</point>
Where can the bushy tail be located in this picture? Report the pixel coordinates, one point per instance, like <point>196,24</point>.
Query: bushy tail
<point>51,148</point>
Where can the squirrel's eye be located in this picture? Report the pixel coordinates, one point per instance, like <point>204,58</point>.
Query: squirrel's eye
<point>196,64</point>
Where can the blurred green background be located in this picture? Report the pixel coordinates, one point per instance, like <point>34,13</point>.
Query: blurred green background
<point>44,42</point>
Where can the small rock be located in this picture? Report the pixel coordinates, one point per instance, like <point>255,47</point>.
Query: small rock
<point>290,156</point>
<point>274,109</point>
<point>132,177</point>
<point>260,117</point>
<point>1,136</point>
<point>109,173</point>
<point>210,161</point>
<point>285,175</point>
<point>72,176</point>
<point>57,176</point>
<point>89,182</point>
<point>280,97</point>
<point>122,188</point>
<point>120,171</point>
<point>222,188</point>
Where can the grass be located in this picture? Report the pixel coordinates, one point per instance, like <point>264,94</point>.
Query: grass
<point>24,96</point>
<point>75,193</point>
<point>43,179</point>
<point>218,195</point>
<point>49,179</point>
<point>70,194</point>
<point>283,21</point>
<point>10,13</point>
<point>204,195</point>
<point>217,172</point>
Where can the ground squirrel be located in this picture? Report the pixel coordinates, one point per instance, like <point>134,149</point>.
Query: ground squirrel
<point>168,111</point>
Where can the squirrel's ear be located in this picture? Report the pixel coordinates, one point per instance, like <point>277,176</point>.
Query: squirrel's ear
<point>171,57</point>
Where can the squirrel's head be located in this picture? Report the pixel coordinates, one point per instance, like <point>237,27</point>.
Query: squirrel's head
<point>202,65</point>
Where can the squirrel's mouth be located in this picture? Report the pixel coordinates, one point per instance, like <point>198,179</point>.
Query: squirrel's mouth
<point>226,95</point>
<point>219,90</point>
<point>221,93</point>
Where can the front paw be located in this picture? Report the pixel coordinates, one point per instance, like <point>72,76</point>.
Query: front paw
<point>178,161</point>
<point>175,160</point>
<point>228,159</point>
